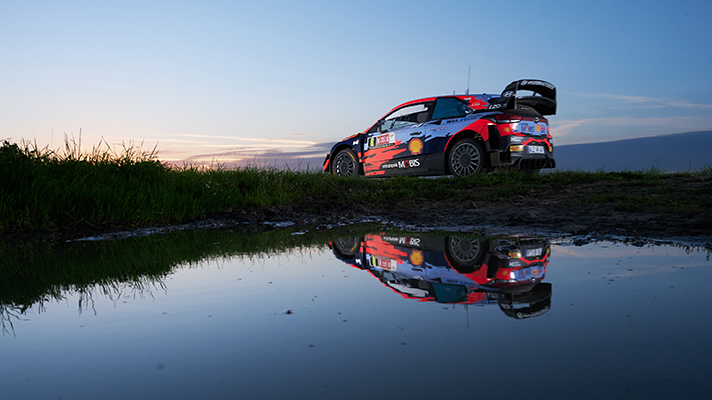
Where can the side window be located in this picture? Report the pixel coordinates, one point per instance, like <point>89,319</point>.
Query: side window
<point>450,107</point>
<point>406,116</point>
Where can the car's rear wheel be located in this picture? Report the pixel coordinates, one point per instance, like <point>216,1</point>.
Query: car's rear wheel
<point>464,253</point>
<point>466,158</point>
<point>345,163</point>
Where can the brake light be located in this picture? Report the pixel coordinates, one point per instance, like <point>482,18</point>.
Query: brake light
<point>507,119</point>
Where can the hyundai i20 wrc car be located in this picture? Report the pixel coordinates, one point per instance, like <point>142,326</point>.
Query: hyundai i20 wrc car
<point>455,135</point>
<point>456,269</point>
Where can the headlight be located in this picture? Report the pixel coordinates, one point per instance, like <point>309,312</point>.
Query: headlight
<point>517,147</point>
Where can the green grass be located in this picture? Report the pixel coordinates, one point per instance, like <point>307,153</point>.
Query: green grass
<point>44,190</point>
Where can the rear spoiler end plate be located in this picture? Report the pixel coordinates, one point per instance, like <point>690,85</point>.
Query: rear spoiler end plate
<point>543,99</point>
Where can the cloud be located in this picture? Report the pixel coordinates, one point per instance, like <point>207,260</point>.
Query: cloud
<point>608,117</point>
<point>591,130</point>
<point>264,155</point>
<point>648,102</point>
<point>261,142</point>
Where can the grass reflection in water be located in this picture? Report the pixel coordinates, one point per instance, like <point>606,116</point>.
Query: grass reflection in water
<point>34,273</point>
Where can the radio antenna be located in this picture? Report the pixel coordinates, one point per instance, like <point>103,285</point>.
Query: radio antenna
<point>468,80</point>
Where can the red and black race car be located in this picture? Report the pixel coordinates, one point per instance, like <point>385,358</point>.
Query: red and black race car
<point>507,271</point>
<point>455,135</point>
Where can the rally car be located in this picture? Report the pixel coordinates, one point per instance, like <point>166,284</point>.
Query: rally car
<point>462,269</point>
<point>455,135</point>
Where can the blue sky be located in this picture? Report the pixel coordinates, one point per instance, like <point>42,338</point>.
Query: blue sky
<point>246,81</point>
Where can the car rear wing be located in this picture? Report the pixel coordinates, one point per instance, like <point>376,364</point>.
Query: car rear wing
<point>543,99</point>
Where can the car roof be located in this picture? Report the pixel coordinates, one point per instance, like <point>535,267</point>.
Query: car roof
<point>476,101</point>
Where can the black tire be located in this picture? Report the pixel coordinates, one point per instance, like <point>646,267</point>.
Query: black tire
<point>464,253</point>
<point>346,163</point>
<point>466,158</point>
<point>347,246</point>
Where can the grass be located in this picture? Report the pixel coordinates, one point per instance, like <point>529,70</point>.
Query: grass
<point>45,190</point>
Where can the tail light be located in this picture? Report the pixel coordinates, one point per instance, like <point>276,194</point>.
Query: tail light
<point>507,119</point>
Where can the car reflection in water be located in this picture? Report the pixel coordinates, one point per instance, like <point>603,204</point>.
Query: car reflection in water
<point>503,270</point>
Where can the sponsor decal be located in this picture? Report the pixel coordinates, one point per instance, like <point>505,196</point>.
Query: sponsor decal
<point>414,163</point>
<point>537,83</point>
<point>383,263</point>
<point>531,128</point>
<point>388,139</point>
<point>404,240</point>
<point>415,146</point>
<point>533,314</point>
<point>416,257</point>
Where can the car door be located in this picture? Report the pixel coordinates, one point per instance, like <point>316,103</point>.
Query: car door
<point>392,146</point>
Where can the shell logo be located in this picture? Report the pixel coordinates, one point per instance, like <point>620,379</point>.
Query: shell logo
<point>415,146</point>
<point>416,257</point>
<point>538,128</point>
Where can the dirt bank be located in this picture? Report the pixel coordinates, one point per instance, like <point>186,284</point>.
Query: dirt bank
<point>543,209</point>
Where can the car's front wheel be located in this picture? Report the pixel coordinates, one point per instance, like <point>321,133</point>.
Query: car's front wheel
<point>347,247</point>
<point>345,163</point>
<point>466,158</point>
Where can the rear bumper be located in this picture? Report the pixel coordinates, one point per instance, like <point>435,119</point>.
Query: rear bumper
<point>521,161</point>
<point>535,163</point>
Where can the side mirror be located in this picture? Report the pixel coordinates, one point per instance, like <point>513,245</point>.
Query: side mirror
<point>384,126</point>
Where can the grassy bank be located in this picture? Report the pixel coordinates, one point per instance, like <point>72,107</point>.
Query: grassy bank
<point>45,190</point>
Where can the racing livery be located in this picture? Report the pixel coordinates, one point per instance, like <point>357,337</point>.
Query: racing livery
<point>458,135</point>
<point>506,271</point>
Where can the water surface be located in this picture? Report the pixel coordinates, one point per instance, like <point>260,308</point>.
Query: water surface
<point>352,315</point>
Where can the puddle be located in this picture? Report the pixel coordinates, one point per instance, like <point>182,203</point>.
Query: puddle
<point>353,313</point>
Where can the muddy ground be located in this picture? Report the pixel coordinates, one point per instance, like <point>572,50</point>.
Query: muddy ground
<point>544,210</point>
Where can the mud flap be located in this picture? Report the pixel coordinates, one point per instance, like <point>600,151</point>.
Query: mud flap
<point>494,159</point>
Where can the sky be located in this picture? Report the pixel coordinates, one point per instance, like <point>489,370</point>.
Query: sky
<point>278,82</point>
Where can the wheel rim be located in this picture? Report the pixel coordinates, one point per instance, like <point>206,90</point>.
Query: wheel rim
<point>347,245</point>
<point>345,165</point>
<point>464,250</point>
<point>465,159</point>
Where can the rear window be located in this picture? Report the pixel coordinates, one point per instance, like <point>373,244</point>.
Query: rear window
<point>450,107</point>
